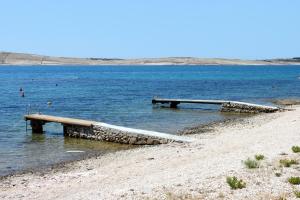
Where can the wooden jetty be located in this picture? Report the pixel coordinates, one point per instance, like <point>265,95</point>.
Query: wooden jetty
<point>228,106</point>
<point>102,131</point>
<point>174,102</point>
<point>37,121</point>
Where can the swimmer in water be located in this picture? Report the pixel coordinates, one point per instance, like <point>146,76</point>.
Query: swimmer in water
<point>22,93</point>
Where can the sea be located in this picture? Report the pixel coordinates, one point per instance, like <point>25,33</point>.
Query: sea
<point>121,95</point>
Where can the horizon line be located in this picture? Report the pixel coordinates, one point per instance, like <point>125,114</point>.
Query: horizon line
<point>132,58</point>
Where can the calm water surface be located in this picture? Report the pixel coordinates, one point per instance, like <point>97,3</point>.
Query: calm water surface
<point>121,95</point>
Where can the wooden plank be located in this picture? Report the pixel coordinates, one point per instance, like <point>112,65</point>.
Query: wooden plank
<point>62,120</point>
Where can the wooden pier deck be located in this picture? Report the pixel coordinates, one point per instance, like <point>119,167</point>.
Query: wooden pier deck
<point>178,101</point>
<point>62,120</point>
<point>224,103</point>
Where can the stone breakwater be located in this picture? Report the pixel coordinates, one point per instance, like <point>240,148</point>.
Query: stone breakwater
<point>79,128</point>
<point>247,108</point>
<point>112,135</point>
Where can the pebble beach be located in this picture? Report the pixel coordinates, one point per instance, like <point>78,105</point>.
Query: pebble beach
<point>196,170</point>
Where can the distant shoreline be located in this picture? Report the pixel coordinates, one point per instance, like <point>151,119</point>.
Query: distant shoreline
<point>21,59</point>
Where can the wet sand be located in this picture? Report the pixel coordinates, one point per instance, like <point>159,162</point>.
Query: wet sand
<point>196,170</point>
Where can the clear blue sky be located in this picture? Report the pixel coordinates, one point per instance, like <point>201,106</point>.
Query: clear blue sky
<point>248,29</point>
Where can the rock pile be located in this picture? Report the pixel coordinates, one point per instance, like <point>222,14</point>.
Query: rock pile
<point>112,135</point>
<point>246,108</point>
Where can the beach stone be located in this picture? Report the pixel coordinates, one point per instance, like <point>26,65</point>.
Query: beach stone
<point>139,142</point>
<point>155,142</point>
<point>244,108</point>
<point>150,141</point>
<point>111,135</point>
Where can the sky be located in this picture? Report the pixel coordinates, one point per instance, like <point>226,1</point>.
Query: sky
<point>245,29</point>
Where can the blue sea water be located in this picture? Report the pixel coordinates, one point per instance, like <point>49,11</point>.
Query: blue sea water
<point>121,95</point>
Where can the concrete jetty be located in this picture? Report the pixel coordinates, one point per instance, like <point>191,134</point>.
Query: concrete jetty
<point>226,106</point>
<point>103,132</point>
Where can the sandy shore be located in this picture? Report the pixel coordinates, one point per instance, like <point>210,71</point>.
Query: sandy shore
<point>179,171</point>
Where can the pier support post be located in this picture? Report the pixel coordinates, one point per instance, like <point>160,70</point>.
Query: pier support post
<point>37,126</point>
<point>174,104</point>
<point>65,130</point>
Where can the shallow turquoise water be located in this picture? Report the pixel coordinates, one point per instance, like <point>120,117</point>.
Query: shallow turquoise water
<point>121,95</point>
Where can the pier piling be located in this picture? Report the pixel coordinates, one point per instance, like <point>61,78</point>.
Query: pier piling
<point>37,126</point>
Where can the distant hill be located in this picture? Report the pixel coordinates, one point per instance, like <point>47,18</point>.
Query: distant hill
<point>9,58</point>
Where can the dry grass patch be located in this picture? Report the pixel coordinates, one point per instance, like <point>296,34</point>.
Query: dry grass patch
<point>251,164</point>
<point>296,149</point>
<point>294,180</point>
<point>288,162</point>
<point>259,157</point>
<point>235,183</point>
<point>297,193</point>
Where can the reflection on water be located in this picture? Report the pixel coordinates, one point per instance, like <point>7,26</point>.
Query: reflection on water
<point>91,145</point>
<point>37,150</point>
<point>38,138</point>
